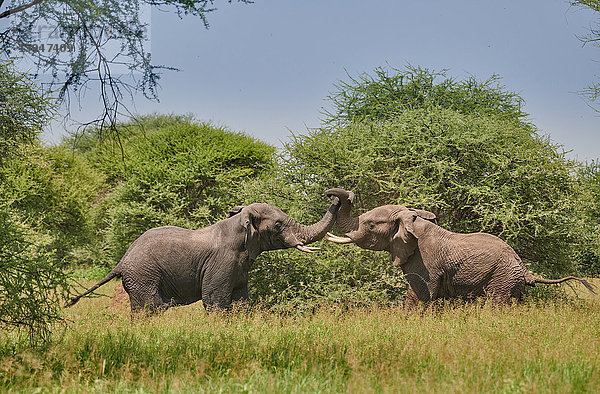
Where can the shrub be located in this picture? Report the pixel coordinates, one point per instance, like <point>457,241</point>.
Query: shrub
<point>476,173</point>
<point>588,209</point>
<point>388,92</point>
<point>168,170</point>
<point>32,280</point>
<point>462,149</point>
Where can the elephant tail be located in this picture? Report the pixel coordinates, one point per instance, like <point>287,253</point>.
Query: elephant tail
<point>531,280</point>
<point>113,274</point>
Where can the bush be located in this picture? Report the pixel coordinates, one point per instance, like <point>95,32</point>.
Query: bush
<point>462,149</point>
<point>389,92</point>
<point>168,170</point>
<point>52,190</point>
<point>588,209</point>
<point>24,110</point>
<point>476,173</point>
<point>32,281</point>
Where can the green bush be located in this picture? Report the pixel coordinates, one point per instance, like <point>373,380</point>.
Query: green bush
<point>168,170</point>
<point>32,280</point>
<point>52,190</point>
<point>476,173</point>
<point>588,209</point>
<point>462,149</point>
<point>33,283</point>
<point>388,92</point>
<point>24,110</point>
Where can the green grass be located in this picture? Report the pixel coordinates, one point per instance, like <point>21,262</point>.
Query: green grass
<point>543,347</point>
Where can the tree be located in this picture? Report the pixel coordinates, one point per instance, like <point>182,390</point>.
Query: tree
<point>24,110</point>
<point>592,92</point>
<point>588,255</point>
<point>32,281</point>
<point>389,92</point>
<point>95,37</point>
<point>463,149</point>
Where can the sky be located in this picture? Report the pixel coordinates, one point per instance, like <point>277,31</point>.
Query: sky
<point>266,68</point>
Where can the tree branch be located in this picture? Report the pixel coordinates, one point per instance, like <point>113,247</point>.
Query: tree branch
<point>18,9</point>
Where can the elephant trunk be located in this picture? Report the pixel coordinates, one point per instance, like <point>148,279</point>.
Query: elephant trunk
<point>345,222</point>
<point>315,232</point>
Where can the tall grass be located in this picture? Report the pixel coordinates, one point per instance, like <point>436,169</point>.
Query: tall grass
<point>548,347</point>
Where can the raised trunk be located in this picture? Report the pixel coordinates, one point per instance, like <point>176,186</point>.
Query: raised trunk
<point>345,222</point>
<point>315,232</point>
<point>309,234</point>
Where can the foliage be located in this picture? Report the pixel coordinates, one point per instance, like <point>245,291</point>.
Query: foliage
<point>588,208</point>
<point>476,173</point>
<point>32,280</point>
<point>288,280</point>
<point>103,45</point>
<point>387,93</point>
<point>462,149</point>
<point>23,110</point>
<point>171,171</point>
<point>32,283</point>
<point>52,191</point>
<point>542,347</point>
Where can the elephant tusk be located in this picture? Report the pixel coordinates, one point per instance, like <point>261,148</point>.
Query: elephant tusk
<point>338,240</point>
<point>307,249</point>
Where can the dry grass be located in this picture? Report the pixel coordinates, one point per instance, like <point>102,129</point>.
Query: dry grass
<point>545,347</point>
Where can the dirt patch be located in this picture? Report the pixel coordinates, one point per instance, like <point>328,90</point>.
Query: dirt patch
<point>120,300</point>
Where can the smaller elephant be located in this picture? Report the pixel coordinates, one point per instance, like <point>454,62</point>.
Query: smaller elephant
<point>438,263</point>
<point>169,266</point>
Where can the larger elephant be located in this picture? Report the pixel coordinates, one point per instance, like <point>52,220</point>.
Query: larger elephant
<point>169,266</point>
<point>438,263</point>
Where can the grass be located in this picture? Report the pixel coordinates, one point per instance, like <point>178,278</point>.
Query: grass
<point>532,347</point>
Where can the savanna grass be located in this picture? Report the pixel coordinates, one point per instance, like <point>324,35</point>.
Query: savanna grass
<point>543,347</point>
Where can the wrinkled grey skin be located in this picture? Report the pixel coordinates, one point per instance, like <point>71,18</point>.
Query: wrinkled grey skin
<point>438,263</point>
<point>169,266</point>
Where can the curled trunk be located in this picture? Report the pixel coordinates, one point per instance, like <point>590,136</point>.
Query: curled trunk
<point>345,222</point>
<point>315,232</point>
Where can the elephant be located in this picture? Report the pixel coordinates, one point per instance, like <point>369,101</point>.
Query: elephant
<point>437,263</point>
<point>168,266</point>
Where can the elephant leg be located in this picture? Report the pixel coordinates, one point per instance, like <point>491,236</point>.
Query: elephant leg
<point>412,300</point>
<point>148,304</point>
<point>421,290</point>
<point>144,297</point>
<point>240,293</point>
<point>216,292</point>
<point>503,287</point>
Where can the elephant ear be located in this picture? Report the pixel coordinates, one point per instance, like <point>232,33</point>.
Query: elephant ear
<point>235,210</point>
<point>404,241</point>
<point>429,216</point>
<point>249,219</point>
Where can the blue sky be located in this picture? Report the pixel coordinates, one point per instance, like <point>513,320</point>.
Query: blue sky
<point>266,68</point>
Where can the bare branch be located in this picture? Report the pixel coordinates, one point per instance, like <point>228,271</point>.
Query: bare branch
<point>18,9</point>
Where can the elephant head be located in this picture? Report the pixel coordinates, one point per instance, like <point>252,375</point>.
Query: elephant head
<point>268,228</point>
<point>389,227</point>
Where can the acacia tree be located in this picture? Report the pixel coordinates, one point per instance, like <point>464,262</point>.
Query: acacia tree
<point>31,281</point>
<point>463,149</point>
<point>101,45</point>
<point>23,110</point>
